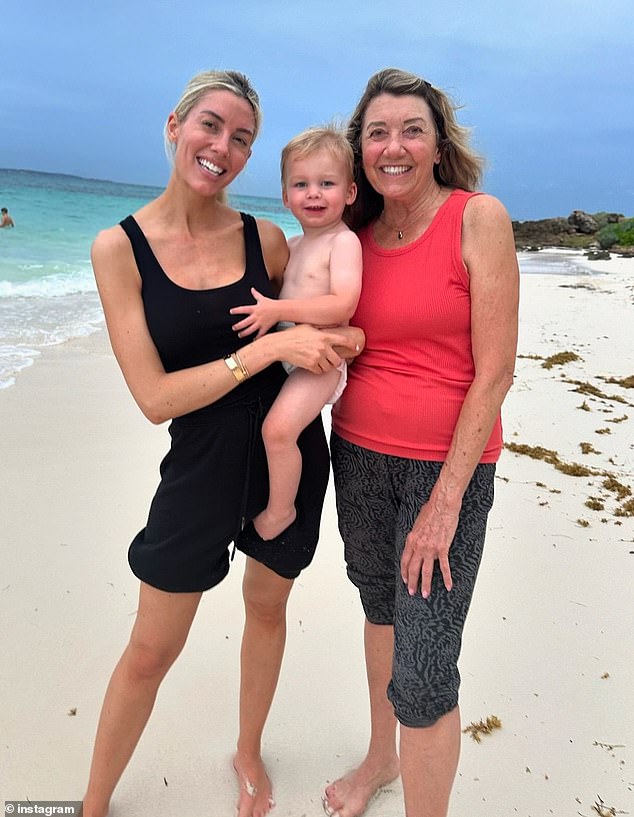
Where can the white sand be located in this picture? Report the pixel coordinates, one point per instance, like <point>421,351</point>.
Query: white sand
<point>548,647</point>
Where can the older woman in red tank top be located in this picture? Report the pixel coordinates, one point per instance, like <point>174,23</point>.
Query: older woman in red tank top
<point>417,432</point>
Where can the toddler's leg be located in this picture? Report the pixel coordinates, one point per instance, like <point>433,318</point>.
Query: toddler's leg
<point>300,400</point>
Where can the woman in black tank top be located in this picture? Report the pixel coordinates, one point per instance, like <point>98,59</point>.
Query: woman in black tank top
<point>167,277</point>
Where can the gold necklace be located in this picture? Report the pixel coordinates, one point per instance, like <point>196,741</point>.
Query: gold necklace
<point>400,232</point>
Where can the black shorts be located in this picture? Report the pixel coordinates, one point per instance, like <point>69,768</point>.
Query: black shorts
<point>214,480</point>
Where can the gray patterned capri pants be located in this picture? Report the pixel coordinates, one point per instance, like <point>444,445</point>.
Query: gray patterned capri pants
<point>378,498</point>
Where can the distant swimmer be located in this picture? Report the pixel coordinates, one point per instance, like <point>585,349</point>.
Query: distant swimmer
<point>5,220</point>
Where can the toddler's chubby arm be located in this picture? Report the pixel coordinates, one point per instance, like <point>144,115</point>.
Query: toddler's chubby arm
<point>336,307</point>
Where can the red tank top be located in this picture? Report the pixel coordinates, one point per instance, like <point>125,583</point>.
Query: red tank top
<point>406,389</point>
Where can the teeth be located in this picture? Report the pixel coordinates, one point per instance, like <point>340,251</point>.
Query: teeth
<point>395,170</point>
<point>212,168</point>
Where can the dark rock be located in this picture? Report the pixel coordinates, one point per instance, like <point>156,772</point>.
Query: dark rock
<point>624,252</point>
<point>598,255</point>
<point>583,222</point>
<point>546,232</point>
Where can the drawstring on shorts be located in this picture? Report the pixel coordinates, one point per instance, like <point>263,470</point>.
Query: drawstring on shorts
<point>255,412</point>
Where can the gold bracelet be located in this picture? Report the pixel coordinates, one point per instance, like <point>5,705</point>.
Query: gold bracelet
<point>236,367</point>
<point>244,369</point>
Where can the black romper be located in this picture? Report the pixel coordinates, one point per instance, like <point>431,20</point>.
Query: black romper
<point>214,478</point>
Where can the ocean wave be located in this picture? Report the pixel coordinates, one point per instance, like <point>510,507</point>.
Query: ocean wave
<point>558,262</point>
<point>13,359</point>
<point>49,286</point>
<point>29,324</point>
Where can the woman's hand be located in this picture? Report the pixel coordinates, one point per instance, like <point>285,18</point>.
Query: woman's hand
<point>260,316</point>
<point>310,348</point>
<point>356,338</point>
<point>429,540</point>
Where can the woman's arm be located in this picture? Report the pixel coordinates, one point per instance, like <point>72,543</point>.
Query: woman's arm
<point>161,395</point>
<point>274,251</point>
<point>489,254</point>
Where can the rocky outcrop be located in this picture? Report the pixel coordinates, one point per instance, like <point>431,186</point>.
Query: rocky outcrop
<point>546,232</point>
<point>578,230</point>
<point>583,222</point>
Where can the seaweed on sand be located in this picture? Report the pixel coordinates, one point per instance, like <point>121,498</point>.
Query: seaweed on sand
<point>560,359</point>
<point>476,730</point>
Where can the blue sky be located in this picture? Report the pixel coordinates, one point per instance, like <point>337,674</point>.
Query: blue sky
<point>547,86</point>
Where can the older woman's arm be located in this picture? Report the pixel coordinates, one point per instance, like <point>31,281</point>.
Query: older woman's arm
<point>489,254</point>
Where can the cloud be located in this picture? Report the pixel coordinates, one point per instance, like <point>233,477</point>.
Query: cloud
<point>546,86</point>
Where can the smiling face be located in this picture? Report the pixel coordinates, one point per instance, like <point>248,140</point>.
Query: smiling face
<point>213,142</point>
<point>317,187</point>
<point>399,146</point>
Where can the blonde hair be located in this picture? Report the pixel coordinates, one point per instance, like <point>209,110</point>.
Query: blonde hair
<point>205,82</point>
<point>324,137</point>
<point>460,166</point>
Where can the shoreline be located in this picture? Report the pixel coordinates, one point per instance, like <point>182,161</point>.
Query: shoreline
<point>549,260</point>
<point>547,648</point>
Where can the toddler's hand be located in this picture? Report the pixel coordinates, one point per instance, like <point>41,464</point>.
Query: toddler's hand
<point>260,316</point>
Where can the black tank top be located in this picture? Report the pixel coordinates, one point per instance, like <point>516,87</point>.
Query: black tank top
<point>193,326</point>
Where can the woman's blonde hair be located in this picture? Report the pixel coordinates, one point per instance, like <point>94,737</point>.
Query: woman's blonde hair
<point>325,137</point>
<point>460,166</point>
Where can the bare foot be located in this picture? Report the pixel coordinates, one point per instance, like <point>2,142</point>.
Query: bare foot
<point>256,793</point>
<point>350,795</point>
<point>269,525</point>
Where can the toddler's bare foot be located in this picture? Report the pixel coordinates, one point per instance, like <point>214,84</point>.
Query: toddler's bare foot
<point>256,793</point>
<point>268,525</point>
<point>350,795</point>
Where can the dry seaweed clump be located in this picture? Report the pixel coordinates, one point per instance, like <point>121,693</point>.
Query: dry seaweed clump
<point>621,419</point>
<point>573,469</point>
<point>476,730</point>
<point>626,509</point>
<point>537,452</point>
<point>612,484</point>
<point>560,359</point>
<point>583,387</point>
<point>625,382</point>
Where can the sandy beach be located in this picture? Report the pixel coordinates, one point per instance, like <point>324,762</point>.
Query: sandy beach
<point>548,648</point>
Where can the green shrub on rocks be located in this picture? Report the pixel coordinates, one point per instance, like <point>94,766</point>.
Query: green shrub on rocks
<point>602,218</point>
<point>621,234</point>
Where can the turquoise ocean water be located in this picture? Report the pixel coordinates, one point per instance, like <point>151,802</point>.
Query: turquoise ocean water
<point>47,290</point>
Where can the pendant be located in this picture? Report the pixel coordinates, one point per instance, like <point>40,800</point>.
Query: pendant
<point>400,235</point>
